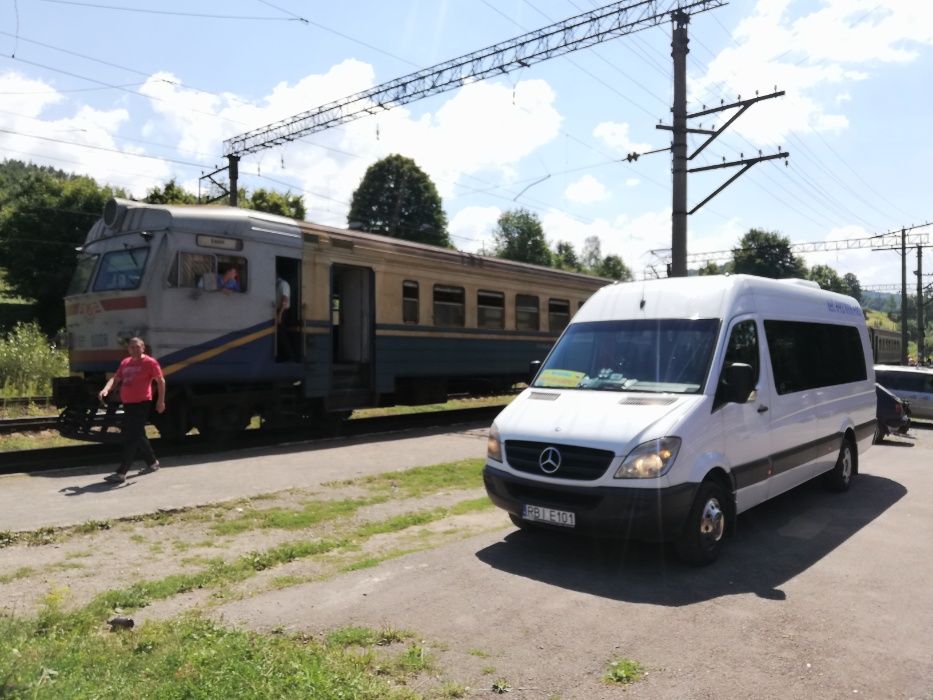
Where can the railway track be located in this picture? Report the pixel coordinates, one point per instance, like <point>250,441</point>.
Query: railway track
<point>56,458</point>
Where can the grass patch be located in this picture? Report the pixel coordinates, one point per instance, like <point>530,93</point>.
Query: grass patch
<point>624,671</point>
<point>57,655</point>
<point>312,513</point>
<point>451,405</point>
<point>367,637</point>
<point>413,483</point>
<point>21,572</point>
<point>92,526</point>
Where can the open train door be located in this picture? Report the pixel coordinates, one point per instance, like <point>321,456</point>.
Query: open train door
<point>352,317</point>
<point>288,320</point>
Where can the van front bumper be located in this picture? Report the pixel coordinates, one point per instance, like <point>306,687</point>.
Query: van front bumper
<point>654,515</point>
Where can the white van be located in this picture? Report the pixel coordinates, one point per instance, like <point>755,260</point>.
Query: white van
<point>669,406</point>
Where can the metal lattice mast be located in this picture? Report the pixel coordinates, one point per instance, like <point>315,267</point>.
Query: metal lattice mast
<point>579,32</point>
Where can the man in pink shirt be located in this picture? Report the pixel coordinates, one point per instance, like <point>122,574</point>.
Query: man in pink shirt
<point>135,377</point>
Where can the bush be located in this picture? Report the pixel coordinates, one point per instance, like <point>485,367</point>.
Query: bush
<point>28,362</point>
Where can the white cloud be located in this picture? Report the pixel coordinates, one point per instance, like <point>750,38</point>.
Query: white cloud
<point>472,228</point>
<point>632,182</point>
<point>586,190</point>
<point>839,43</point>
<point>616,136</point>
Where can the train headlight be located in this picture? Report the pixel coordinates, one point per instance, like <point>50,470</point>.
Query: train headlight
<point>493,444</point>
<point>650,459</point>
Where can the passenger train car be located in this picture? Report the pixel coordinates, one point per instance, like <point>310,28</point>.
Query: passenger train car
<point>372,320</point>
<point>885,345</point>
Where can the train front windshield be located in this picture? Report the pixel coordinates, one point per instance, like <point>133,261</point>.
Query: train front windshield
<point>121,269</point>
<point>657,355</point>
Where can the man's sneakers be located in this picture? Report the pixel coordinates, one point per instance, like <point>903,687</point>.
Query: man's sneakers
<point>154,467</point>
<point>115,478</point>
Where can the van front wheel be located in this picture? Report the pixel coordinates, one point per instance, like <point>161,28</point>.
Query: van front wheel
<point>706,525</point>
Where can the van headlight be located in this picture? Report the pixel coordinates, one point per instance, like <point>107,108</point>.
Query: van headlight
<point>493,444</point>
<point>650,459</point>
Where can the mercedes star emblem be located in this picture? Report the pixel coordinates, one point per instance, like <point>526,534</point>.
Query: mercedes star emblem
<point>549,460</point>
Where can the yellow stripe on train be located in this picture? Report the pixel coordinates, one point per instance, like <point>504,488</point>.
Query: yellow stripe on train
<point>213,352</point>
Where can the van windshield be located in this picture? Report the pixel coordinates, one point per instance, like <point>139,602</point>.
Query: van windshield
<point>654,355</point>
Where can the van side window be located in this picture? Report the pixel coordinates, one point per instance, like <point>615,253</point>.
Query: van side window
<point>743,346</point>
<point>527,315</point>
<point>490,309</point>
<point>811,355</point>
<point>409,302</point>
<point>558,314</point>
<point>448,306</point>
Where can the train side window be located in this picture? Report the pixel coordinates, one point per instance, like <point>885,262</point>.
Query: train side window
<point>225,262</point>
<point>448,306</point>
<point>410,302</point>
<point>558,314</point>
<point>527,314</point>
<point>190,268</point>
<point>490,309</point>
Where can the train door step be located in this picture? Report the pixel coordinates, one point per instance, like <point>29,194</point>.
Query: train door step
<point>354,375</point>
<point>349,399</point>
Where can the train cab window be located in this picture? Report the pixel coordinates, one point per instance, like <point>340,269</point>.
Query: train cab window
<point>448,306</point>
<point>121,269</point>
<point>82,275</point>
<point>558,314</point>
<point>410,302</point>
<point>490,309</point>
<point>527,314</point>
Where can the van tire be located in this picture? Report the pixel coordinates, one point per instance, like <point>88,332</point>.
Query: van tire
<point>519,522</point>
<point>706,526</point>
<point>840,477</point>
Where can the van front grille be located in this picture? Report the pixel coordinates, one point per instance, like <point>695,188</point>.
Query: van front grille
<point>580,463</point>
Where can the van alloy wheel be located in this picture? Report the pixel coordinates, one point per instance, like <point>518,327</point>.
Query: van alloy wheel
<point>712,521</point>
<point>705,529</point>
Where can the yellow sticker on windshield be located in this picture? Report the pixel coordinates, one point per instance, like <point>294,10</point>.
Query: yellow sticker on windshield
<point>560,378</point>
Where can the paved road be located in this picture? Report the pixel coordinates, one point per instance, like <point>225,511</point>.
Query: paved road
<point>819,595</point>
<point>71,497</point>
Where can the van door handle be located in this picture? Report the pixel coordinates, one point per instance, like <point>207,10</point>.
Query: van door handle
<point>762,409</point>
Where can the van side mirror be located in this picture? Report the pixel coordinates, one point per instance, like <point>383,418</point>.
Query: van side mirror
<point>533,368</point>
<point>736,383</point>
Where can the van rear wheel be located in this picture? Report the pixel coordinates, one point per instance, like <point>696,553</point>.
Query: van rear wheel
<point>840,478</point>
<point>706,526</point>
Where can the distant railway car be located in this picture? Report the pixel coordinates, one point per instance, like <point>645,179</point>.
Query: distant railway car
<point>886,346</point>
<point>372,320</point>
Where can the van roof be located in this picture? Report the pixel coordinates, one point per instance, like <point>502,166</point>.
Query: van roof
<point>719,296</point>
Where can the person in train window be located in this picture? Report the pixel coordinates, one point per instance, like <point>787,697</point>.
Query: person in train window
<point>229,281</point>
<point>135,377</point>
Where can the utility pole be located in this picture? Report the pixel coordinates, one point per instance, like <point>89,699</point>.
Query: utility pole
<point>921,351</point>
<point>234,166</point>
<point>679,51</point>
<point>903,296</point>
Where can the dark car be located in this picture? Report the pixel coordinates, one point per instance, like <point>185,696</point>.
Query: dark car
<point>893,414</point>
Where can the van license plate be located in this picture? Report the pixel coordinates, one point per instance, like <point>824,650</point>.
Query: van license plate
<point>540,514</point>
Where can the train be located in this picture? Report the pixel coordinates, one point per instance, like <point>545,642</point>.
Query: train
<point>371,320</point>
<point>885,345</point>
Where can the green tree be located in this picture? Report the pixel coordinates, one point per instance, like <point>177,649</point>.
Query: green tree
<point>827,278</point>
<point>397,198</point>
<point>47,219</point>
<point>592,253</point>
<point>767,254</point>
<point>710,268</point>
<point>852,286</point>
<point>172,193</point>
<point>288,204</point>
<point>614,268</point>
<point>565,257</point>
<point>519,236</point>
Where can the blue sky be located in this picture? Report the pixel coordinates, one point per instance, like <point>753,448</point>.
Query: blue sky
<point>106,83</point>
